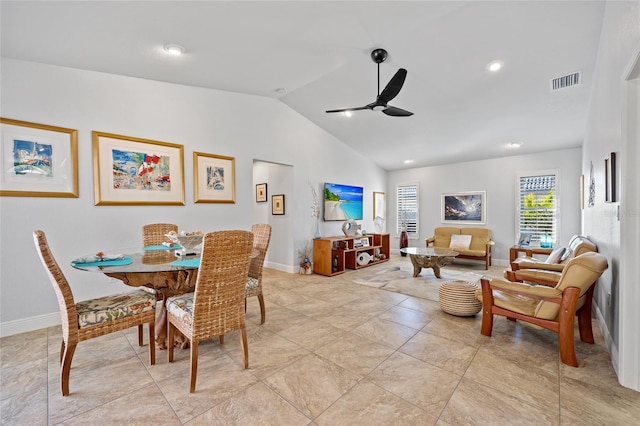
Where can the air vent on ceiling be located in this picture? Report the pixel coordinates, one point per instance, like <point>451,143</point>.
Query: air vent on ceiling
<point>565,81</point>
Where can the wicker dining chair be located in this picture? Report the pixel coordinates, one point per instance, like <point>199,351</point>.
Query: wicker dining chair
<point>217,305</point>
<point>95,317</point>
<point>153,233</point>
<point>261,238</point>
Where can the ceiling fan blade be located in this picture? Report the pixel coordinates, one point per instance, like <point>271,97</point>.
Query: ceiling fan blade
<point>349,109</point>
<point>397,112</point>
<point>393,87</point>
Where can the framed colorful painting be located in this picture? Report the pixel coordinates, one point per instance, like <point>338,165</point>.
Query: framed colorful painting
<point>135,171</point>
<point>464,207</point>
<point>38,160</point>
<point>214,178</point>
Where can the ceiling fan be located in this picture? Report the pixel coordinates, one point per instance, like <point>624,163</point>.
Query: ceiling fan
<point>390,91</point>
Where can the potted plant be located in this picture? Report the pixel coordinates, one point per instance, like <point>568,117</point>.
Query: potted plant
<point>304,256</point>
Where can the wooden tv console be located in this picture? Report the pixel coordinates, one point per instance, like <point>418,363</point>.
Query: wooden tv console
<point>333,255</point>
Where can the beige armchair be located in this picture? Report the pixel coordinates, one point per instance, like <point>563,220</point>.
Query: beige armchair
<point>551,308</point>
<point>548,272</point>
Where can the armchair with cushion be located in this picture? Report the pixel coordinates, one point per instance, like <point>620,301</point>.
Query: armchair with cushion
<point>548,271</point>
<point>551,308</point>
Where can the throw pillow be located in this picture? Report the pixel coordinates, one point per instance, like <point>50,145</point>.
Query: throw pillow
<point>460,242</point>
<point>555,256</point>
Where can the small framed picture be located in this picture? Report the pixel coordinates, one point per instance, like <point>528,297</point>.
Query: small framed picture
<point>525,239</point>
<point>261,193</point>
<point>214,178</point>
<point>364,241</point>
<point>277,204</point>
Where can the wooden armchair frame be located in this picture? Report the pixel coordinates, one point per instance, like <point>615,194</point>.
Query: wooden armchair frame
<point>573,294</point>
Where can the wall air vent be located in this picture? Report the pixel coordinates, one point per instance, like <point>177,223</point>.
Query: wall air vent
<point>565,81</point>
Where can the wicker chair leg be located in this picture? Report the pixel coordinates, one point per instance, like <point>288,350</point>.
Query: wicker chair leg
<point>261,300</point>
<point>221,339</point>
<point>170,341</point>
<point>194,365</point>
<point>152,344</point>
<point>67,357</point>
<point>245,348</point>
<point>140,335</point>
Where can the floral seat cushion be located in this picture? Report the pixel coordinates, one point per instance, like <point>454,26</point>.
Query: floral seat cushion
<point>182,307</point>
<point>104,309</point>
<point>252,284</point>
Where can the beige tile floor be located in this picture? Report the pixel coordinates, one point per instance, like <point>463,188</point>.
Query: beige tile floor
<point>331,352</point>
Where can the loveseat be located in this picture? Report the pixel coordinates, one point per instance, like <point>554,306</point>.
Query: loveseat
<point>469,243</point>
<point>547,272</point>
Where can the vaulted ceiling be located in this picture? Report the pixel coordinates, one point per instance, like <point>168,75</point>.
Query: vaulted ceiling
<point>315,55</point>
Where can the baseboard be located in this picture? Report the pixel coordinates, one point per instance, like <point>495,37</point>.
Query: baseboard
<point>608,340</point>
<point>10,328</point>
<point>280,267</point>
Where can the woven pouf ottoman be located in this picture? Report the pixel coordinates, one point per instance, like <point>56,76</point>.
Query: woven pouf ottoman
<point>459,298</point>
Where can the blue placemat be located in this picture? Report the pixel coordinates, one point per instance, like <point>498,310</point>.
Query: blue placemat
<point>161,247</point>
<point>189,263</point>
<point>114,262</point>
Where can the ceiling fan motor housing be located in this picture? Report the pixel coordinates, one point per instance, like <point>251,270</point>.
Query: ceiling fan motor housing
<point>378,55</point>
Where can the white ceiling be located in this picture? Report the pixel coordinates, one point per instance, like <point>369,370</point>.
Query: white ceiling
<point>320,53</point>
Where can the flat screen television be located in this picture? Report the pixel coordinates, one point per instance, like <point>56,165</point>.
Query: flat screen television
<point>342,202</point>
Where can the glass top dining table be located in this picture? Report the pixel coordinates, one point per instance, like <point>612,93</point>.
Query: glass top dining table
<point>161,270</point>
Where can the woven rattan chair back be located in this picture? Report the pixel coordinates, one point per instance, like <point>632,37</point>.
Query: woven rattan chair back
<point>153,233</point>
<point>218,299</point>
<point>261,238</point>
<point>72,334</point>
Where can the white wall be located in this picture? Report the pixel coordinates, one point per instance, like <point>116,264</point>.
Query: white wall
<point>498,178</point>
<point>619,47</point>
<point>245,127</point>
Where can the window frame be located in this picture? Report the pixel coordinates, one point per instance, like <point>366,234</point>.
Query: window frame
<point>413,232</point>
<point>518,203</point>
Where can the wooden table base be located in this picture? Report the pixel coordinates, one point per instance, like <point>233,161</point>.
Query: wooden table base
<point>167,284</point>
<point>433,262</point>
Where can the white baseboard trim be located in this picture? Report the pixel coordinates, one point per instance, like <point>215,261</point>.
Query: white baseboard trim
<point>608,340</point>
<point>280,267</point>
<point>10,328</point>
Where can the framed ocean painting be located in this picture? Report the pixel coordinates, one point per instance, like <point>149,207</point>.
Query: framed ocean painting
<point>214,178</point>
<point>38,160</point>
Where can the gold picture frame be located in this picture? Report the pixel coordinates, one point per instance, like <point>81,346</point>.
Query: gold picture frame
<point>135,171</point>
<point>379,205</point>
<point>214,178</point>
<point>38,160</point>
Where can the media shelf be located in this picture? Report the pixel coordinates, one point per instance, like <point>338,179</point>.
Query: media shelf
<point>333,255</point>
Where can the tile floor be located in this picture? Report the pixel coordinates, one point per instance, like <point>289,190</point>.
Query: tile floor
<point>331,352</point>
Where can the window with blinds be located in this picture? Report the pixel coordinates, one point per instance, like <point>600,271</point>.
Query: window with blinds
<point>407,209</point>
<point>538,208</point>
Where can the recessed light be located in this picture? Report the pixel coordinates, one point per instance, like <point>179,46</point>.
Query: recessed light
<point>514,145</point>
<point>281,91</point>
<point>348,113</point>
<point>494,66</point>
<point>408,161</point>
<point>173,49</point>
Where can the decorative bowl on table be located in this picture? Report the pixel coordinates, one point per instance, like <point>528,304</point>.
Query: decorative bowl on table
<point>190,242</point>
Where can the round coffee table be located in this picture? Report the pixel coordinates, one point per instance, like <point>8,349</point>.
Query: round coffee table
<point>429,257</point>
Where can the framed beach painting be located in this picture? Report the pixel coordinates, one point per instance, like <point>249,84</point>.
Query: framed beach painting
<point>135,171</point>
<point>38,160</point>
<point>214,178</point>
<point>464,207</point>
